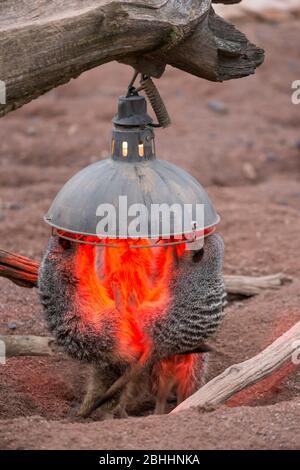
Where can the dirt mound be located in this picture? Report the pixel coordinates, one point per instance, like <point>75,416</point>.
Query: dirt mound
<point>270,427</point>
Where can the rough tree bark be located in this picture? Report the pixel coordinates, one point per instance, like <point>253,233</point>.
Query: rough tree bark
<point>44,44</point>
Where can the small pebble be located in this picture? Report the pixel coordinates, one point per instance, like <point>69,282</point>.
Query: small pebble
<point>72,129</point>
<point>13,206</point>
<point>179,93</point>
<point>212,135</point>
<point>11,325</point>
<point>249,144</point>
<point>218,106</point>
<point>271,157</point>
<point>249,171</point>
<point>31,130</point>
<point>292,65</point>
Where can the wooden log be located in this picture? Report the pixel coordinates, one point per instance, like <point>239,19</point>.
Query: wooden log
<point>29,345</point>
<point>248,286</point>
<point>216,51</point>
<point>21,270</point>
<point>45,44</point>
<point>239,376</point>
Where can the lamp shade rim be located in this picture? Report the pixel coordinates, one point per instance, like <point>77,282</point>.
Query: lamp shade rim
<point>133,237</point>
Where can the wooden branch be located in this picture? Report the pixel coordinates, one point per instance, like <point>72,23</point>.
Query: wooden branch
<point>248,286</point>
<point>216,51</point>
<point>45,44</point>
<point>19,269</point>
<point>29,345</point>
<point>239,376</point>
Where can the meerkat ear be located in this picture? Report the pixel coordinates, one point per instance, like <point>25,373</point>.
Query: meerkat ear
<point>65,244</point>
<point>197,257</point>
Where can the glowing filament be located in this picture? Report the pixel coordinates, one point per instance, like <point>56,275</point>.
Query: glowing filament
<point>125,149</point>
<point>141,150</point>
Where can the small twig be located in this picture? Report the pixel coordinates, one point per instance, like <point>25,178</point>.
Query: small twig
<point>239,376</point>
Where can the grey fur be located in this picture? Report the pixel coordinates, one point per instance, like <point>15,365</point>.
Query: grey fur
<point>198,301</point>
<point>57,289</point>
<point>193,315</point>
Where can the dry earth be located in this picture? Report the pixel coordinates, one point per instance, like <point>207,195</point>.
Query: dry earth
<point>242,141</point>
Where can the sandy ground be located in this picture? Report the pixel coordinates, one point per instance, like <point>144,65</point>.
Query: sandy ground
<point>242,141</point>
<point>270,10</point>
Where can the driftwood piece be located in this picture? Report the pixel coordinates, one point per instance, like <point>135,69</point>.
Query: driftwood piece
<point>45,44</point>
<point>24,272</point>
<point>248,286</point>
<point>239,376</point>
<point>29,345</point>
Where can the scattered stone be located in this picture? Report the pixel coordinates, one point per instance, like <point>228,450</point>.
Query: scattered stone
<point>283,203</point>
<point>212,135</point>
<point>271,157</point>
<point>31,130</point>
<point>249,144</point>
<point>12,206</point>
<point>298,144</point>
<point>179,93</point>
<point>249,171</point>
<point>72,129</point>
<point>12,325</point>
<point>293,65</point>
<point>218,106</point>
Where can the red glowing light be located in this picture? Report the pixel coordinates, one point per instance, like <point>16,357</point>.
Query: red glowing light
<point>130,285</point>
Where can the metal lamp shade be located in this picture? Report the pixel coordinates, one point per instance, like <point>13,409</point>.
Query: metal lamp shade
<point>152,182</point>
<point>131,179</point>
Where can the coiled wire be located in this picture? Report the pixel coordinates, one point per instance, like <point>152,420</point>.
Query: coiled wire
<point>156,101</point>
